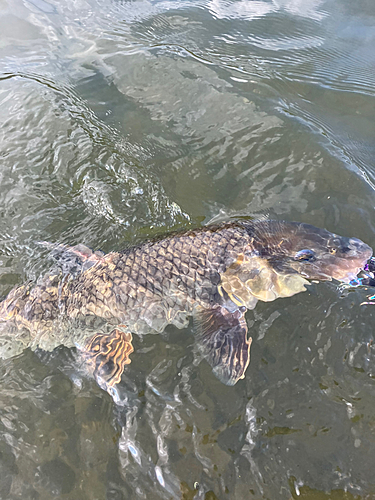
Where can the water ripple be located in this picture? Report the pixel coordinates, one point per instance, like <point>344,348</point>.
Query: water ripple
<point>122,120</point>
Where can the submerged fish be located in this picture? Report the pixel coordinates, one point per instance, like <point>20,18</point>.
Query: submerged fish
<point>213,274</point>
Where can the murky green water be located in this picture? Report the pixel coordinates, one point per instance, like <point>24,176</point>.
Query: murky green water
<point>125,119</point>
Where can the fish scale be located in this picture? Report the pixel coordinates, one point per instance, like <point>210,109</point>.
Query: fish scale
<point>123,286</point>
<point>214,273</point>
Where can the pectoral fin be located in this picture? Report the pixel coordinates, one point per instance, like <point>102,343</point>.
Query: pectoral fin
<point>106,355</point>
<point>222,338</point>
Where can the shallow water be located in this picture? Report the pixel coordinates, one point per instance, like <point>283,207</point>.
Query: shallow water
<point>121,120</point>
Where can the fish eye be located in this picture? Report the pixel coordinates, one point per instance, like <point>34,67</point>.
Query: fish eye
<point>335,245</point>
<point>305,255</point>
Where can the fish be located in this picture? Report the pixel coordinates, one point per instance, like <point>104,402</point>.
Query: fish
<point>96,302</point>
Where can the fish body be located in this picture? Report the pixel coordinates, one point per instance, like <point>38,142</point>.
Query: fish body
<point>214,273</point>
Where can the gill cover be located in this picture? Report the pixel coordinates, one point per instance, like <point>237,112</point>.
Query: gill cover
<point>314,253</point>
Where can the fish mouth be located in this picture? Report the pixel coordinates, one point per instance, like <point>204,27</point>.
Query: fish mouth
<point>343,268</point>
<point>349,268</point>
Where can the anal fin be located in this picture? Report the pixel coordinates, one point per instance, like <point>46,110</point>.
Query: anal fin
<point>106,356</point>
<point>222,338</point>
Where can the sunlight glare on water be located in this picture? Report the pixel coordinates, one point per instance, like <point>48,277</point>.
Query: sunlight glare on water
<point>123,120</point>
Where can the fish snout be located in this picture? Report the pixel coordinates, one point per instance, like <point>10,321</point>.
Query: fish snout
<point>358,248</point>
<point>349,248</point>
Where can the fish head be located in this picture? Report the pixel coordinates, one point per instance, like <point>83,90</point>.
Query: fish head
<point>313,253</point>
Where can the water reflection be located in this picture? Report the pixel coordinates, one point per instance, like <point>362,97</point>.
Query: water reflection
<point>121,120</point>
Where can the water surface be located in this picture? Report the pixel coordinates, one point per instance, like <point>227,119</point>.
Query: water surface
<point>122,120</point>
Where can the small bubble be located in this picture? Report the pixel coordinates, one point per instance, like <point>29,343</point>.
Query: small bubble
<point>159,476</point>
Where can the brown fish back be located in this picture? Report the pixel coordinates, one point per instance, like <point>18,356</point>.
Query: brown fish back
<point>214,274</point>
<point>159,282</point>
<point>145,287</point>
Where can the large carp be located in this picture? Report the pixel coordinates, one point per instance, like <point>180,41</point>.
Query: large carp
<point>214,274</point>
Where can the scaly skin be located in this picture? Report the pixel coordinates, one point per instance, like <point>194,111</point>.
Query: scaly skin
<point>215,273</point>
<point>144,288</point>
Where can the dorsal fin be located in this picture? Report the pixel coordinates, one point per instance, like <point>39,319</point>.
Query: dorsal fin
<point>73,259</point>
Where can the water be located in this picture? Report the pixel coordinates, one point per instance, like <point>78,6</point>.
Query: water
<point>122,120</point>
